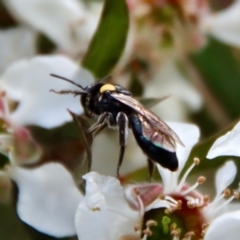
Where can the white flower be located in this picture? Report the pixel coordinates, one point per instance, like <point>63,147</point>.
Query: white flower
<point>104,214</point>
<point>168,81</point>
<point>48,198</point>
<point>68,23</point>
<point>176,203</point>
<point>226,145</point>
<point>28,82</point>
<point>224,25</point>
<point>17,42</point>
<point>224,227</point>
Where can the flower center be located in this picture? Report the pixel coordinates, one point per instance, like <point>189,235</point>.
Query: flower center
<point>187,222</point>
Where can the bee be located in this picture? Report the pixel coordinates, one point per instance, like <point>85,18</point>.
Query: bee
<point>116,107</point>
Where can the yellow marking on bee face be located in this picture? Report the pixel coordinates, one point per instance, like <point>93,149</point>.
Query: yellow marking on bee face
<point>107,87</point>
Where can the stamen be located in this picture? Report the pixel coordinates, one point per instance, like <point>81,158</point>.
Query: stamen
<point>215,201</point>
<point>147,232</point>
<point>206,198</point>
<point>196,161</point>
<point>173,227</point>
<point>141,206</point>
<point>226,193</point>
<point>204,229</point>
<point>188,236</point>
<point>137,228</point>
<point>151,223</point>
<point>170,199</point>
<point>176,234</point>
<point>199,181</point>
<point>173,208</point>
<point>234,196</point>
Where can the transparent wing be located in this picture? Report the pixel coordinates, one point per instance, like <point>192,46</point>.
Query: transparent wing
<point>153,126</point>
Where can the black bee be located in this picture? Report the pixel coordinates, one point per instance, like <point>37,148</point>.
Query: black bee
<point>116,107</point>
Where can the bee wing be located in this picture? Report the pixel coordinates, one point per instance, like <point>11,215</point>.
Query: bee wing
<point>152,124</point>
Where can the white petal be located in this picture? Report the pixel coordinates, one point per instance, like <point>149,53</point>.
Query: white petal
<point>105,209</point>
<point>105,162</point>
<point>48,199</point>
<point>169,81</point>
<point>226,145</point>
<point>225,176</point>
<point>58,19</point>
<point>224,227</point>
<point>18,42</point>
<point>29,82</point>
<point>225,25</point>
<point>189,135</point>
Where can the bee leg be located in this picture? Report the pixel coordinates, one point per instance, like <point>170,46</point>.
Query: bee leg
<point>122,122</point>
<point>100,129</point>
<point>100,122</point>
<point>151,167</point>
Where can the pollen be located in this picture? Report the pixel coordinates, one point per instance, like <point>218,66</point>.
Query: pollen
<point>107,87</point>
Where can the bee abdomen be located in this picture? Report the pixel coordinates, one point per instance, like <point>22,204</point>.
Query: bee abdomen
<point>154,150</point>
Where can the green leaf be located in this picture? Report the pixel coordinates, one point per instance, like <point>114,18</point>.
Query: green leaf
<point>109,39</point>
<point>221,72</point>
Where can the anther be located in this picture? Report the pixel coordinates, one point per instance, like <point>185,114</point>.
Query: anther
<point>236,194</point>
<point>162,196</point>
<point>204,229</point>
<point>206,198</point>
<point>191,205</point>
<point>179,205</point>
<point>201,180</point>
<point>175,233</point>
<point>151,223</point>
<point>136,191</point>
<point>173,227</point>
<point>147,232</point>
<point>189,234</point>
<point>137,227</point>
<point>196,161</point>
<point>205,226</point>
<point>227,192</point>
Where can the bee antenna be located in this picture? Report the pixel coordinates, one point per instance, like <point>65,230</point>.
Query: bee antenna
<point>66,79</point>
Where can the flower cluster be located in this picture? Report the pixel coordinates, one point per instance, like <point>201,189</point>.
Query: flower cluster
<point>168,210</point>
<point>44,154</point>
